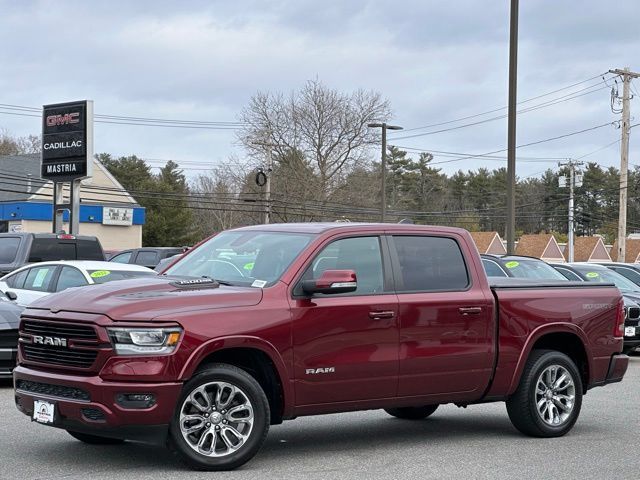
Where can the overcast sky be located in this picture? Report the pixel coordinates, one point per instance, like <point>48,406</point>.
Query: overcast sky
<point>434,61</point>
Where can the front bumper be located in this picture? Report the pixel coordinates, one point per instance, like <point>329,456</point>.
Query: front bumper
<point>89,404</point>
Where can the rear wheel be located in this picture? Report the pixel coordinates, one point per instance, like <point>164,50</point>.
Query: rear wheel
<point>412,413</point>
<point>95,439</point>
<point>221,420</point>
<point>549,397</point>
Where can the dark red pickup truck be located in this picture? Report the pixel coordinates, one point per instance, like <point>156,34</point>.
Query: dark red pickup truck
<point>267,323</point>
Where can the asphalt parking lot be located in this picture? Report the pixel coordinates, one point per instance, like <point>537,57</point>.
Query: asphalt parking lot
<point>478,442</point>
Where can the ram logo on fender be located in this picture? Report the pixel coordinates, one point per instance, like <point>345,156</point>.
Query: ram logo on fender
<point>316,371</point>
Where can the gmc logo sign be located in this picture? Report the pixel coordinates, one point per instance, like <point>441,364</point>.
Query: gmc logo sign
<point>66,119</point>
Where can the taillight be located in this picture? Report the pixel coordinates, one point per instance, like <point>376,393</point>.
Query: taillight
<point>618,329</point>
<point>66,236</point>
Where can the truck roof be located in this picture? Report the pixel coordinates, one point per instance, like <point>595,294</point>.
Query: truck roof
<point>323,227</point>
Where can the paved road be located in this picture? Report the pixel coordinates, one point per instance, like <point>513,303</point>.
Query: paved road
<point>478,442</point>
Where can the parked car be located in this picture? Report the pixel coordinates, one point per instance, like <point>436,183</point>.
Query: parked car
<point>324,318</point>
<point>19,249</point>
<point>35,281</point>
<point>590,272</point>
<point>9,321</point>
<point>147,257</point>
<point>519,266</point>
<point>630,271</point>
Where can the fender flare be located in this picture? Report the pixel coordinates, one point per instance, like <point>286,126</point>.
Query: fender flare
<point>225,343</point>
<point>540,332</point>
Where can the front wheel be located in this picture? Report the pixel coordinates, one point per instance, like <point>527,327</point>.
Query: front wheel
<point>549,397</point>
<point>221,420</point>
<point>412,413</point>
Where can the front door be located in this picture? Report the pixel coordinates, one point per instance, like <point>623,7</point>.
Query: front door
<point>446,322</point>
<point>346,346</point>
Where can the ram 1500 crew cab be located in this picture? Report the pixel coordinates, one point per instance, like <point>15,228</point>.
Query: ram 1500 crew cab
<point>267,323</point>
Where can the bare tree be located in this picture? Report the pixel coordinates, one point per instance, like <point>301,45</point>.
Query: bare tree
<point>10,145</point>
<point>328,128</point>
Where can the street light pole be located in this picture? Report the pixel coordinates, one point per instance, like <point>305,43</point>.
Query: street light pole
<point>383,166</point>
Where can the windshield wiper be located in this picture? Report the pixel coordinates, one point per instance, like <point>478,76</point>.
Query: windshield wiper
<point>221,282</point>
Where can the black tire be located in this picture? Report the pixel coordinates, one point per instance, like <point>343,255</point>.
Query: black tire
<point>251,391</point>
<point>412,413</point>
<point>522,406</point>
<point>94,439</point>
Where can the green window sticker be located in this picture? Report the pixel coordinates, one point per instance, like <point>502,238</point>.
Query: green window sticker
<point>512,264</point>
<point>592,275</point>
<point>100,273</point>
<point>248,266</point>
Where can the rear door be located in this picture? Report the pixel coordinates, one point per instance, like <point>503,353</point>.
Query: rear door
<point>446,324</point>
<point>346,346</point>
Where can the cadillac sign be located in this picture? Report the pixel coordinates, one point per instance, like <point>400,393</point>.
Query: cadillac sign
<point>67,141</point>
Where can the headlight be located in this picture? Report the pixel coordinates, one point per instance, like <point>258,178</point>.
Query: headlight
<point>144,341</point>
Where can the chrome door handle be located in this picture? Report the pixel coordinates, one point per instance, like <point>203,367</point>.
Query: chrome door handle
<point>470,310</point>
<point>382,315</point>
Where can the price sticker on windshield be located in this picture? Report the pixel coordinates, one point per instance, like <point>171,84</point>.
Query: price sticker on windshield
<point>592,275</point>
<point>512,264</point>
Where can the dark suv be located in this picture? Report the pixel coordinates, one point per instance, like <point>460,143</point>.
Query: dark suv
<point>18,249</point>
<point>147,256</point>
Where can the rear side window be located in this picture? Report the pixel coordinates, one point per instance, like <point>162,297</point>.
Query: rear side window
<point>147,258</point>
<point>122,257</point>
<point>39,278</point>
<point>631,274</point>
<point>492,268</point>
<point>51,249</point>
<point>17,279</point>
<point>430,264</point>
<point>9,249</point>
<point>89,250</point>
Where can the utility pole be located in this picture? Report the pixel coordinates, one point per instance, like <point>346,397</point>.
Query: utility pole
<point>267,183</point>
<point>511,129</point>
<point>574,181</point>
<point>383,167</point>
<point>627,75</point>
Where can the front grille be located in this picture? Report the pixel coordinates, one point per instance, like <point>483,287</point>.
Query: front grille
<point>93,414</point>
<point>60,391</point>
<point>633,313</point>
<point>79,347</point>
<point>8,338</point>
<point>80,332</point>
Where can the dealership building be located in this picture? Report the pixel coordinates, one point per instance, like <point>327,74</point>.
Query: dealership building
<point>107,210</point>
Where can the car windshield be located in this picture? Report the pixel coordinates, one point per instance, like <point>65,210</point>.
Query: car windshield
<point>604,275</point>
<point>531,268</point>
<point>243,258</point>
<point>104,276</point>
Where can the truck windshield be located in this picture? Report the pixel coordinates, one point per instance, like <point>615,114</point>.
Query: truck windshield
<point>243,258</point>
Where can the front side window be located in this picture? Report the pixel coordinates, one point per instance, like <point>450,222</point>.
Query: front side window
<point>244,258</point>
<point>8,249</point>
<point>430,264</point>
<point>147,258</point>
<point>569,275</point>
<point>360,254</point>
<point>628,273</point>
<point>39,278</point>
<point>70,277</point>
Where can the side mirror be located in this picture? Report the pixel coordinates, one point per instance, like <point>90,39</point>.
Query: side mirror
<point>332,282</point>
<point>11,296</point>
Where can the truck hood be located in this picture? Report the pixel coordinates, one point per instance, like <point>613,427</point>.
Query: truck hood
<point>147,298</point>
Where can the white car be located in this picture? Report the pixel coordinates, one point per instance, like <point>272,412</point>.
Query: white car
<point>38,280</point>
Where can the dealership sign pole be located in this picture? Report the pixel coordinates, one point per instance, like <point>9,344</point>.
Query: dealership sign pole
<point>67,156</point>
